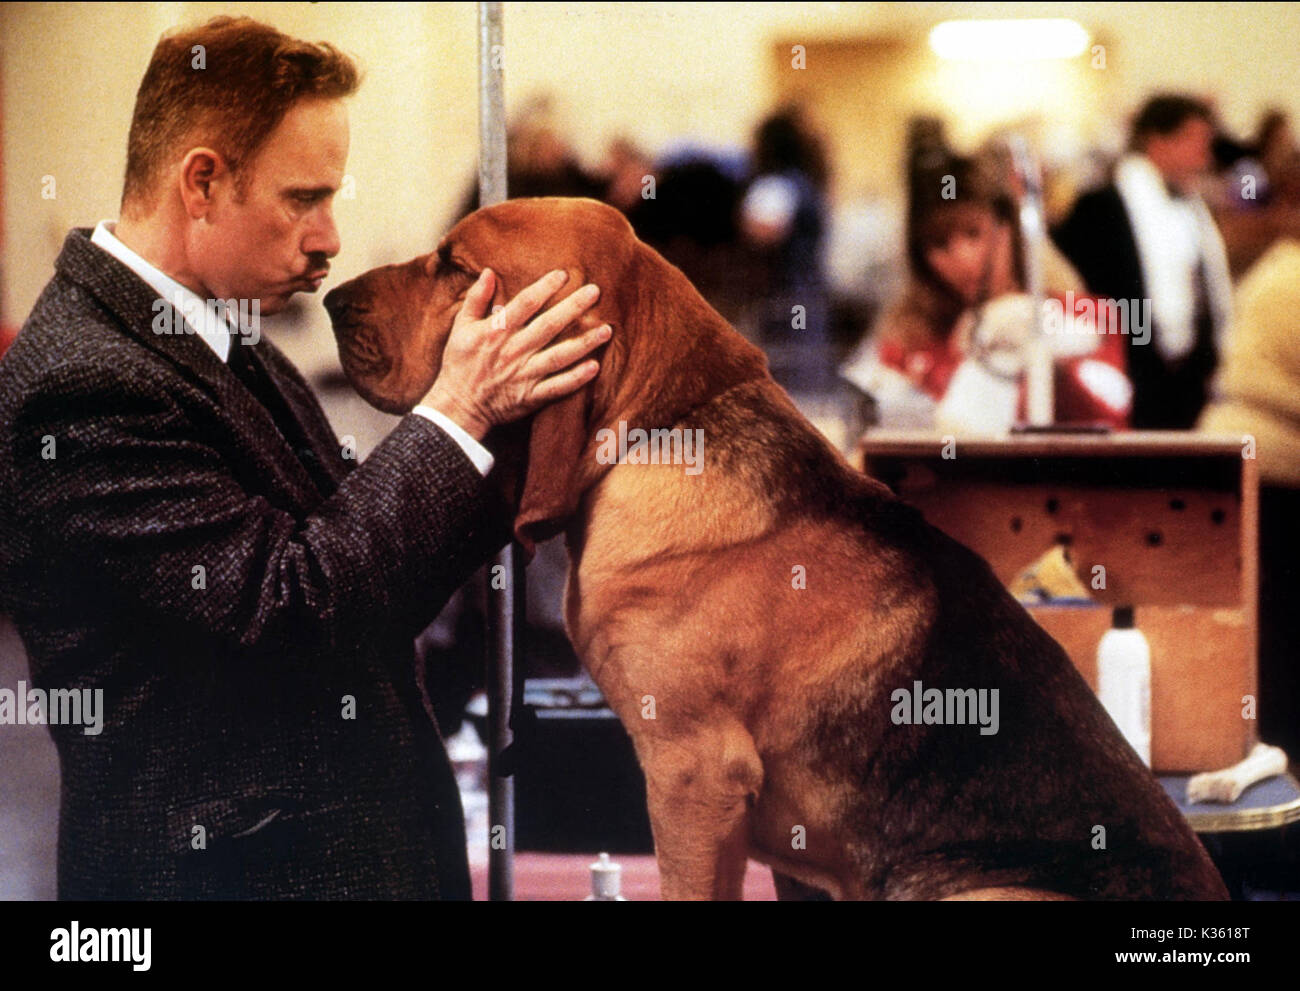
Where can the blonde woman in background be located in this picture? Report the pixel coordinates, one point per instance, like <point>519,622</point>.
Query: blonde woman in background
<point>1257,398</point>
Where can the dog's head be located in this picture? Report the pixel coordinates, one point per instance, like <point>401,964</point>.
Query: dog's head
<point>392,324</point>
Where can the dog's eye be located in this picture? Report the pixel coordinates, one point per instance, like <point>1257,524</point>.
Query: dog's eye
<point>447,263</point>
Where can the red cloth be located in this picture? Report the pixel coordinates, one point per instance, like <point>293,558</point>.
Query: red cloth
<point>930,369</point>
<point>1087,390</point>
<point>1087,394</point>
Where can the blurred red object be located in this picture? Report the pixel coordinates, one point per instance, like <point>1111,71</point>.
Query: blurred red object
<point>7,335</point>
<point>1091,388</point>
<point>1095,388</point>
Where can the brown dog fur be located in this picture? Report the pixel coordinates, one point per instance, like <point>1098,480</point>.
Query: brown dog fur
<point>771,703</point>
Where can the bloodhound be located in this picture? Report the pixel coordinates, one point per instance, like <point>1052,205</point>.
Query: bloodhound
<point>812,675</point>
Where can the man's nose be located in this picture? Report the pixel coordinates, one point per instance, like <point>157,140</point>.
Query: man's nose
<point>323,238</point>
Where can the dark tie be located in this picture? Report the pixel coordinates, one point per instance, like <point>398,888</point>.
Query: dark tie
<point>1203,313</point>
<point>259,379</point>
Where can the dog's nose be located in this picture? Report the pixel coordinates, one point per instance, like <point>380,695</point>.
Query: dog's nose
<point>334,301</point>
<point>340,304</point>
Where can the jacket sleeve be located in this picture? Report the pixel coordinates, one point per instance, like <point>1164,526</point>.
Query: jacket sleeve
<point>121,498</point>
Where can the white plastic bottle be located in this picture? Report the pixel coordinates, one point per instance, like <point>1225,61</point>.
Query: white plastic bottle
<point>1124,680</point>
<point>605,881</point>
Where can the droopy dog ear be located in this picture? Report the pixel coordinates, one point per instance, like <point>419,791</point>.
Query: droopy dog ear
<point>554,479</point>
<point>520,240</point>
<point>561,463</point>
<point>669,354</point>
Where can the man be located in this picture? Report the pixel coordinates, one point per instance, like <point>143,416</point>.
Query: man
<point>1148,237</point>
<point>182,531</point>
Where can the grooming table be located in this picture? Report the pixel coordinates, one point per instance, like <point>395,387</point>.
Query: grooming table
<point>1253,841</point>
<point>1169,518</point>
<point>1267,804</point>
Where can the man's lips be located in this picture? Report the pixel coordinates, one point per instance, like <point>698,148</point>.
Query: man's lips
<point>312,280</point>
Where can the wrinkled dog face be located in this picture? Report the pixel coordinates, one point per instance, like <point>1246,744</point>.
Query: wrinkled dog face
<point>392,323</point>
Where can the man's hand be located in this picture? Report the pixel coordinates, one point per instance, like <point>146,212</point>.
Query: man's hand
<point>498,368</point>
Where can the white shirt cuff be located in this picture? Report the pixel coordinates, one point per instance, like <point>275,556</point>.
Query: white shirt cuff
<point>476,452</point>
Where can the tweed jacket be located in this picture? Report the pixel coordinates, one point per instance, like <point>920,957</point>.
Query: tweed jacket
<point>247,608</point>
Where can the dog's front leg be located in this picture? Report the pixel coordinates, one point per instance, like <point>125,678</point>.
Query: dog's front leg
<point>702,768</point>
<point>700,788</point>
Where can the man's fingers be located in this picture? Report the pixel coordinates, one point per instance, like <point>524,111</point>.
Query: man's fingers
<point>564,354</point>
<point>479,297</point>
<point>546,327</point>
<point>564,383</point>
<point>520,310</point>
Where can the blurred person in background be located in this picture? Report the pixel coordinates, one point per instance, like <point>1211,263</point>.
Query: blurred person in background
<point>784,216</point>
<point>951,352</point>
<point>540,161</point>
<point>691,217</point>
<point>1147,235</point>
<point>626,175</point>
<point>1258,191</point>
<point>1275,149</point>
<point>1257,396</point>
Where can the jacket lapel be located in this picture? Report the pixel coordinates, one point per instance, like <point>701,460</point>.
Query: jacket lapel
<point>307,410</point>
<point>155,324</point>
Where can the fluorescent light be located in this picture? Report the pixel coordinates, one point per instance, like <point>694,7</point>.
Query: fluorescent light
<point>1041,38</point>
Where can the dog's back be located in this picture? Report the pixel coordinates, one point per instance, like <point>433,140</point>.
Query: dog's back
<point>1045,795</point>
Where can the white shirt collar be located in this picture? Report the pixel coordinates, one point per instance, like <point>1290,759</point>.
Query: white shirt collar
<point>206,318</point>
<point>1135,173</point>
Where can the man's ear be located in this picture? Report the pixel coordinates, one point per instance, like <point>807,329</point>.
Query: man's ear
<point>198,170</point>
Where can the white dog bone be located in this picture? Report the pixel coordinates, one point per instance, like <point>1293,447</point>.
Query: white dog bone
<point>1227,785</point>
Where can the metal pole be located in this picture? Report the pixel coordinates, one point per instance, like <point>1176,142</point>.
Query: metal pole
<point>491,106</point>
<point>505,592</point>
<point>505,614</point>
<point>1039,386</point>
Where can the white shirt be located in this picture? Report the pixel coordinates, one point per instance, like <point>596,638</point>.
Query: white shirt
<point>1173,236</point>
<point>214,331</point>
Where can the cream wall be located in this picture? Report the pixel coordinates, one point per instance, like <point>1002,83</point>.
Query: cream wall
<point>656,72</point>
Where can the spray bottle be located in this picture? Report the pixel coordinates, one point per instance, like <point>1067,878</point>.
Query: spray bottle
<point>1124,680</point>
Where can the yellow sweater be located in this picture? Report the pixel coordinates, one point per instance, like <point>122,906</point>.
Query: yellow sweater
<point>1257,391</point>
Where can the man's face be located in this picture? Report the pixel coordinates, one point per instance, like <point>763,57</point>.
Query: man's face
<point>1184,154</point>
<point>279,238</point>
